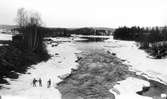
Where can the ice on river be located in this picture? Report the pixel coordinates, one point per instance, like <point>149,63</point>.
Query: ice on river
<point>137,58</point>
<point>128,88</point>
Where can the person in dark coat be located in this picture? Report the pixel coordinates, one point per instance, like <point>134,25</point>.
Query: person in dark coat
<point>40,82</point>
<point>34,82</point>
<point>49,83</point>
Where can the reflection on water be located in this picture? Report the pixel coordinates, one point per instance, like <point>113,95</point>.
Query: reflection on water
<point>90,43</point>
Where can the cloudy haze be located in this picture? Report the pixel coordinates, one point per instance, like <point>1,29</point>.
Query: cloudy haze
<point>95,13</point>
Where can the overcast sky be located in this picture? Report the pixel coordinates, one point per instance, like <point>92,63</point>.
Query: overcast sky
<point>95,13</point>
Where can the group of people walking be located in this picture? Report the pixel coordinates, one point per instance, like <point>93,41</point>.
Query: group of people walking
<point>35,81</point>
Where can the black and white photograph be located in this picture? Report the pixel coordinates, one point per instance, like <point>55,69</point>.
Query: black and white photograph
<point>83,49</point>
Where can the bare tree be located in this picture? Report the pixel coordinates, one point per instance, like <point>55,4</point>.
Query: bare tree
<point>29,22</point>
<point>35,19</point>
<point>22,18</point>
<point>25,18</point>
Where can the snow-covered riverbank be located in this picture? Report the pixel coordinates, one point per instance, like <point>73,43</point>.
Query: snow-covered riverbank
<point>141,63</point>
<point>5,36</point>
<point>137,58</point>
<point>61,63</point>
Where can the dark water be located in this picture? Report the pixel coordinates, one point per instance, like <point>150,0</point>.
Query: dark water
<point>93,39</point>
<point>90,43</point>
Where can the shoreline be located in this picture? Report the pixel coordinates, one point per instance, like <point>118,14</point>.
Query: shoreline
<point>60,63</point>
<point>97,73</point>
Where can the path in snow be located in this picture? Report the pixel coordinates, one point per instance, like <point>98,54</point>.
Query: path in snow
<point>58,65</point>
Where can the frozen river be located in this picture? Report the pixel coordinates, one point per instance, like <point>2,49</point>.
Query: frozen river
<point>64,59</point>
<point>128,50</point>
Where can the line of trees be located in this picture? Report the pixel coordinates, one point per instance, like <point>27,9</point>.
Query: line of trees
<point>153,40</point>
<point>90,31</point>
<point>66,32</point>
<point>154,34</point>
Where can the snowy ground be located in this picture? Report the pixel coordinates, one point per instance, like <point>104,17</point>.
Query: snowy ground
<point>129,87</point>
<point>138,59</point>
<point>58,65</point>
<point>5,36</point>
<point>141,63</point>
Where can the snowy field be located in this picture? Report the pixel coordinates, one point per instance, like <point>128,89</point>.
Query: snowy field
<point>61,63</point>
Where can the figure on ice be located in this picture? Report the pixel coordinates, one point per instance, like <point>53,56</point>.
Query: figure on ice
<point>49,83</point>
<point>40,82</point>
<point>34,82</point>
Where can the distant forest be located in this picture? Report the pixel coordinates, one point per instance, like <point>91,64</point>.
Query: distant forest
<point>154,34</point>
<point>57,32</point>
<point>153,40</point>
